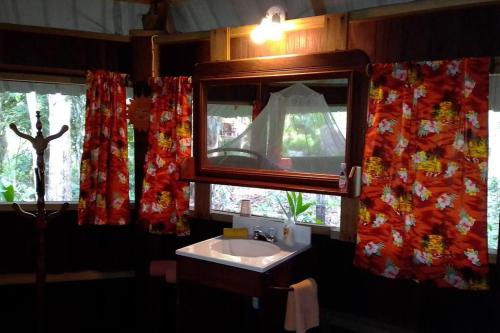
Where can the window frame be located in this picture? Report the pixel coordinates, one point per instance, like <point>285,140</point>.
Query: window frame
<point>341,64</point>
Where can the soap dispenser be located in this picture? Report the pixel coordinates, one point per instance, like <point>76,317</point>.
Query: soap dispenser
<point>288,236</point>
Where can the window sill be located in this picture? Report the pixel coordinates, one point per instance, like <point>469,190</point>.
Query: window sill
<point>31,206</point>
<point>227,217</point>
<point>49,206</point>
<point>492,256</point>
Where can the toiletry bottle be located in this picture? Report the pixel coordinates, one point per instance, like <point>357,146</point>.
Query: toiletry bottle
<point>342,176</point>
<point>288,236</point>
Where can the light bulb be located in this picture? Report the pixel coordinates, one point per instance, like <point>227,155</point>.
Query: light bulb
<point>258,35</point>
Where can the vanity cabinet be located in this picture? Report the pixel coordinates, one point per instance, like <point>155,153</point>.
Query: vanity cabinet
<point>214,297</point>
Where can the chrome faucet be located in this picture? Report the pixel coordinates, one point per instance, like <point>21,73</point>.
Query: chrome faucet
<point>259,234</point>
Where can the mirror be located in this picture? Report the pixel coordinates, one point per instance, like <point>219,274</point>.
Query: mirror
<point>282,122</point>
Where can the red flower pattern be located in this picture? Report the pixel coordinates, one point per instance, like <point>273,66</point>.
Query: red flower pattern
<point>423,202</point>
<point>165,199</point>
<point>104,176</point>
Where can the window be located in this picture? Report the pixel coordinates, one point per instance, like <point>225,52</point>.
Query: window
<point>59,104</point>
<point>493,179</point>
<point>226,122</point>
<point>324,211</point>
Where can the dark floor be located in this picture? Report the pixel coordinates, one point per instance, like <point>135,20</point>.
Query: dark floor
<point>118,305</point>
<point>125,306</point>
<point>90,306</point>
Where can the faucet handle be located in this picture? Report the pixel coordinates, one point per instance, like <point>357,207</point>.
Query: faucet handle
<point>257,230</point>
<point>272,233</point>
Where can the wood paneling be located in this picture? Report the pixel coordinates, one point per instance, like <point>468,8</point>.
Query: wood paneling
<point>442,35</point>
<point>68,52</point>
<point>219,44</point>
<point>294,42</point>
<point>180,59</point>
<point>336,28</point>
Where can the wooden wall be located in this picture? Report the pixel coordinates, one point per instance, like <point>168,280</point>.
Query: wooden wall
<point>294,42</point>
<point>58,51</point>
<point>179,59</point>
<point>468,32</point>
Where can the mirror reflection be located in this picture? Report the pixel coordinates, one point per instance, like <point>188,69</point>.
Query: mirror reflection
<point>295,126</point>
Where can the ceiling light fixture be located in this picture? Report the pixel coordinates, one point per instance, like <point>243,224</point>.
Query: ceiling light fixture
<point>271,27</point>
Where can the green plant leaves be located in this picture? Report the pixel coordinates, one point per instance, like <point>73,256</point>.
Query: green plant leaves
<point>291,202</point>
<point>8,193</point>
<point>296,204</point>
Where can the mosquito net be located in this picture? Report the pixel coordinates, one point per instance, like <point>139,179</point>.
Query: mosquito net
<point>295,131</point>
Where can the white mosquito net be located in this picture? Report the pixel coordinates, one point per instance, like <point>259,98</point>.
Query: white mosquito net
<point>295,131</point>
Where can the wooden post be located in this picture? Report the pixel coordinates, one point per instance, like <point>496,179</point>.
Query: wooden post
<point>335,31</point>
<point>146,64</point>
<point>335,39</point>
<point>220,44</point>
<point>220,49</point>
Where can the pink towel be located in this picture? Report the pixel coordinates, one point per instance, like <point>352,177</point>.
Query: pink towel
<point>165,268</point>
<point>302,308</point>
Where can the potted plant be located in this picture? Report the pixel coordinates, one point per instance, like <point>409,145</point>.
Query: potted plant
<point>296,206</point>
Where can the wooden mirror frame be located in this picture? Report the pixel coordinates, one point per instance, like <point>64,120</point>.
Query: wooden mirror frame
<point>350,64</point>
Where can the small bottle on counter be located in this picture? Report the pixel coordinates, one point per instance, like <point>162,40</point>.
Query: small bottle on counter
<point>342,176</point>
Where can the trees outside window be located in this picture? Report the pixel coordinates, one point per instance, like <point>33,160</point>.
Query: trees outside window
<point>58,105</point>
<point>493,178</point>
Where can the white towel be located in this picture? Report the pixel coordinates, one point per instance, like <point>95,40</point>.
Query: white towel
<point>302,308</point>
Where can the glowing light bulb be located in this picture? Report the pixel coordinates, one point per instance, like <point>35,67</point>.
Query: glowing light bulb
<point>258,35</point>
<point>274,31</point>
<point>271,27</point>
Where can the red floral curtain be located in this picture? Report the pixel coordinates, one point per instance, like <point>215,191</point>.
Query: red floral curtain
<point>104,173</point>
<point>423,202</point>
<point>164,198</point>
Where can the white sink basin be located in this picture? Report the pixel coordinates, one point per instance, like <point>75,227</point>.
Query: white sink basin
<point>248,254</point>
<point>245,248</point>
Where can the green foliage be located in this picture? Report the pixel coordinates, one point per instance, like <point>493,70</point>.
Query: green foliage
<point>131,161</point>
<point>8,193</point>
<point>302,134</point>
<point>296,206</point>
<point>76,131</point>
<point>493,211</point>
<point>16,161</point>
<point>13,110</point>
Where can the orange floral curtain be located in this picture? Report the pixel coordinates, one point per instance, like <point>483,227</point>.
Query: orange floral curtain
<point>104,177</point>
<point>165,199</point>
<point>423,202</point>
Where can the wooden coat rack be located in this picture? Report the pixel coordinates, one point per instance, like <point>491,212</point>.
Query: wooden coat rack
<point>41,217</point>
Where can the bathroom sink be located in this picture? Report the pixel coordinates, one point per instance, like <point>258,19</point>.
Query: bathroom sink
<point>245,248</point>
<point>254,255</point>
